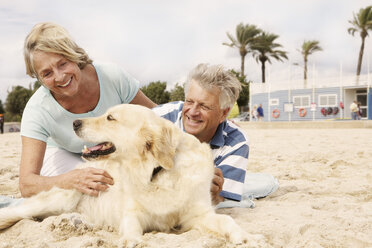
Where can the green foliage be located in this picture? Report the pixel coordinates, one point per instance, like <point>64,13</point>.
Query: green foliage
<point>8,117</point>
<point>249,38</point>
<point>264,48</point>
<point>2,111</point>
<point>308,48</point>
<point>243,99</point>
<point>361,23</point>
<point>177,93</point>
<point>16,102</point>
<point>245,35</point>
<point>36,86</point>
<point>156,91</point>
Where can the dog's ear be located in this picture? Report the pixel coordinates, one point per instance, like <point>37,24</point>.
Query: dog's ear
<point>161,142</point>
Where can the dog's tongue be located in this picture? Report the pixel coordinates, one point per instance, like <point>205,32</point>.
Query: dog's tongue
<point>96,151</point>
<point>95,148</point>
<point>87,150</point>
<point>100,147</point>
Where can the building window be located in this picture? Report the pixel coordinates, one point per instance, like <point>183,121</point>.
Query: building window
<point>274,102</point>
<point>361,91</point>
<point>301,101</point>
<point>328,100</point>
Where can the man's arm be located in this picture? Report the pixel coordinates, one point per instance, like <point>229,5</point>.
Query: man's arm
<point>216,186</point>
<point>232,160</point>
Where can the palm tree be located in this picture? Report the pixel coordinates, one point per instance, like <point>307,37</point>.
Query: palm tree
<point>245,35</point>
<point>362,22</point>
<point>309,47</point>
<point>264,47</point>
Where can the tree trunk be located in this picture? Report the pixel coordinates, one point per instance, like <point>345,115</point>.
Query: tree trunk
<point>263,71</point>
<point>361,55</point>
<point>242,65</point>
<point>305,68</point>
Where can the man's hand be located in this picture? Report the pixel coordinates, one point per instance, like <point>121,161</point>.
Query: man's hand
<point>216,186</point>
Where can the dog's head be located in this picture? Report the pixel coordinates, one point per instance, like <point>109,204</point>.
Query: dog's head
<point>129,128</point>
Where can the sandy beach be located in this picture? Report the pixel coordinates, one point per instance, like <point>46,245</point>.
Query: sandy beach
<point>324,199</point>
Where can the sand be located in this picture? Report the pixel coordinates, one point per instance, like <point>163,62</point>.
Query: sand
<point>324,200</point>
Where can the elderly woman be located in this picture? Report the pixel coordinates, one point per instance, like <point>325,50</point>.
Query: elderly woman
<point>73,86</point>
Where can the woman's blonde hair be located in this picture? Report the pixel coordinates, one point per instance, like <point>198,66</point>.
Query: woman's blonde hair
<point>52,38</point>
<point>209,76</point>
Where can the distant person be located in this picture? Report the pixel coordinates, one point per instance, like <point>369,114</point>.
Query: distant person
<point>354,110</point>
<point>359,112</point>
<point>254,113</point>
<point>2,123</point>
<point>260,112</point>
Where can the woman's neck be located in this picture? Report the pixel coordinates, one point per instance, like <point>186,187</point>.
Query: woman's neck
<point>88,93</point>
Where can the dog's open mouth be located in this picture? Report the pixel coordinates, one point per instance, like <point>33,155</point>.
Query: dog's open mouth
<point>96,151</point>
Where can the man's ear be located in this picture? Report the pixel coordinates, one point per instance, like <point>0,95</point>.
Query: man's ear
<point>161,143</point>
<point>225,113</point>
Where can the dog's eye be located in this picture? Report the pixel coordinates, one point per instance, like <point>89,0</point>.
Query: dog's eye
<point>110,118</point>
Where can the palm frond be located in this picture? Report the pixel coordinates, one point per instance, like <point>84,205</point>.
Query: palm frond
<point>264,48</point>
<point>309,47</point>
<point>352,31</point>
<point>362,21</point>
<point>227,44</point>
<point>233,41</point>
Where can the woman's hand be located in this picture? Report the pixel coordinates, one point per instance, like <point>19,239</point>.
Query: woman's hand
<point>216,186</point>
<point>89,181</point>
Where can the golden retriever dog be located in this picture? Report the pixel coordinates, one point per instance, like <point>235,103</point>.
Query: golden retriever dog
<point>162,178</point>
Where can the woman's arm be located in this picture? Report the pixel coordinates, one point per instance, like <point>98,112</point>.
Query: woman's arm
<point>89,180</point>
<point>142,99</point>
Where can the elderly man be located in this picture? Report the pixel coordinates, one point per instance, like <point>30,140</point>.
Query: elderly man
<point>210,93</point>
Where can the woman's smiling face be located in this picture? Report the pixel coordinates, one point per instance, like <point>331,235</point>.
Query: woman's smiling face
<point>58,74</point>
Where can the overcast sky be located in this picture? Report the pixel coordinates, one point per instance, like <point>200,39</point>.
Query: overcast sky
<point>164,39</point>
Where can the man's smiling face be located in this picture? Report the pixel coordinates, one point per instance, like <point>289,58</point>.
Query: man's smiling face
<point>201,113</point>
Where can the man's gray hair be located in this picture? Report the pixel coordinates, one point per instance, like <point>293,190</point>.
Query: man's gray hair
<point>209,76</point>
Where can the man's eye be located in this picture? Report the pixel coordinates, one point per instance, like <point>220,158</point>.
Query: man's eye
<point>110,118</point>
<point>205,107</point>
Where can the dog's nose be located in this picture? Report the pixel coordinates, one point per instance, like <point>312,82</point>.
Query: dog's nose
<point>77,124</point>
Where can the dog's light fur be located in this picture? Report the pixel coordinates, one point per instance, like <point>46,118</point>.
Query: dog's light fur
<point>178,196</point>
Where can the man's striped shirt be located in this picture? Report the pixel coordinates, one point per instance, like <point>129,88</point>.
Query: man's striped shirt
<point>230,149</point>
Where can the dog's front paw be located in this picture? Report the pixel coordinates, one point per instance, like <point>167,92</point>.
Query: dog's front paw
<point>256,240</point>
<point>251,240</point>
<point>129,242</point>
<point>238,238</point>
